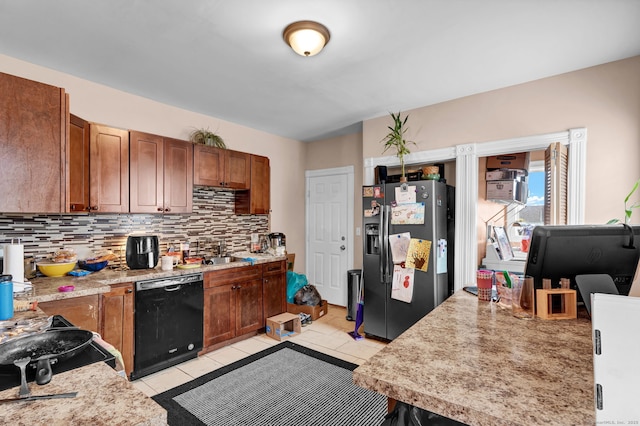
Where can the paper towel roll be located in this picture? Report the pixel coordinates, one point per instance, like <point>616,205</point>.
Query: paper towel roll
<point>14,261</point>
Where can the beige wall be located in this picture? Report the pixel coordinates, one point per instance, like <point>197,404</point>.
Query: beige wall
<point>605,99</point>
<point>102,104</point>
<point>342,151</point>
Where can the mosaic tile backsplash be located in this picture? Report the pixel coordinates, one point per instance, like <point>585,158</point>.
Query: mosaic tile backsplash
<point>212,220</point>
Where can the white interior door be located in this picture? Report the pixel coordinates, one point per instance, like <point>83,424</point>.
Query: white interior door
<point>329,232</point>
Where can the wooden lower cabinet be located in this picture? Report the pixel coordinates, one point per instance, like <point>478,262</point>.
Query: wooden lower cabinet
<point>232,303</point>
<point>274,288</point>
<point>79,311</point>
<point>117,321</point>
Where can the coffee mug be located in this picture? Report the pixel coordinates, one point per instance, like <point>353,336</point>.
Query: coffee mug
<point>167,263</point>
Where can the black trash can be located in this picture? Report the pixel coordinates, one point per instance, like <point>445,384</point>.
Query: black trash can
<point>353,292</point>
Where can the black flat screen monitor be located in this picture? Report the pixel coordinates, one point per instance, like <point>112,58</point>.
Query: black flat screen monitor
<point>564,251</point>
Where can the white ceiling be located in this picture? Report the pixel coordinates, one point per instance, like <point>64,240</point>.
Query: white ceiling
<point>227,59</point>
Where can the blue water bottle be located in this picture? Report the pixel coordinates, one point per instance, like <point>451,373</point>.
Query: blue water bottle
<point>6,297</point>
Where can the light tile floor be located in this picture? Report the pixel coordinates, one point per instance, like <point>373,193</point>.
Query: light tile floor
<point>327,334</point>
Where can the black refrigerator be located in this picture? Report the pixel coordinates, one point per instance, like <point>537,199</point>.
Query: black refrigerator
<point>417,210</point>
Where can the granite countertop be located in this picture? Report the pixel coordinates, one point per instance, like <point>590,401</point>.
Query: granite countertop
<point>109,400</point>
<point>45,289</point>
<point>474,362</point>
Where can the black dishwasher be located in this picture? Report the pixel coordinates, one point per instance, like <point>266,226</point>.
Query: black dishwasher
<point>168,322</point>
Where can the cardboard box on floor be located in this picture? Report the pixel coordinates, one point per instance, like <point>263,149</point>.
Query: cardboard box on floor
<point>283,326</point>
<point>315,311</point>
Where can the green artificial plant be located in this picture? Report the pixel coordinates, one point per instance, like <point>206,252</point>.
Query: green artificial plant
<point>628,209</point>
<point>207,137</point>
<point>395,139</point>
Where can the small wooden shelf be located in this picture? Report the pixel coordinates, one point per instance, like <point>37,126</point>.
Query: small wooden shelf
<point>556,304</point>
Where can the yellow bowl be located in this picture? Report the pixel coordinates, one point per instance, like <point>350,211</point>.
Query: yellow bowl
<point>52,269</point>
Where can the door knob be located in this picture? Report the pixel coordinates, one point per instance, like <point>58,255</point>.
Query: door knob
<point>343,248</point>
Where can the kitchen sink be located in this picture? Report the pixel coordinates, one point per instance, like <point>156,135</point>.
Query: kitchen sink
<point>218,260</point>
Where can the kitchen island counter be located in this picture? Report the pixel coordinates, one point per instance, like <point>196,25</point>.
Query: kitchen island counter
<point>104,398</point>
<point>474,362</point>
<point>45,289</point>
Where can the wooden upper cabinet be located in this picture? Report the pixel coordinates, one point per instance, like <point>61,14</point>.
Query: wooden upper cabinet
<point>178,176</point>
<point>257,200</point>
<point>109,169</point>
<point>34,126</point>
<point>161,174</point>
<point>98,168</point>
<point>146,159</point>
<point>78,164</point>
<point>208,166</point>
<point>221,168</point>
<point>238,170</point>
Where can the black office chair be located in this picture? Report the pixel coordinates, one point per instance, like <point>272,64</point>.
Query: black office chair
<point>595,283</point>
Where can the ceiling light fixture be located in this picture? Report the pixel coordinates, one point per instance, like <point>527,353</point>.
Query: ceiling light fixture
<point>306,38</point>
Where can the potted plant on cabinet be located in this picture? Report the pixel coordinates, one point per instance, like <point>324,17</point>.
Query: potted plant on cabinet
<point>395,139</point>
<point>207,137</point>
<point>628,210</point>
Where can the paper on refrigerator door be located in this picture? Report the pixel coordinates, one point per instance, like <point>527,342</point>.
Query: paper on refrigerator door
<point>418,254</point>
<point>399,244</point>
<point>407,214</point>
<point>441,257</point>
<point>406,195</point>
<point>402,284</point>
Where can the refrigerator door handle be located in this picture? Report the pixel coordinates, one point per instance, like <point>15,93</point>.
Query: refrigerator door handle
<point>383,260</point>
<point>385,244</point>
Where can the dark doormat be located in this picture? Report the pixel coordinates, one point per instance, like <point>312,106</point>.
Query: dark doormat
<point>286,384</point>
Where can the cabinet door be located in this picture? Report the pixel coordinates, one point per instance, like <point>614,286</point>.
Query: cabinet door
<point>117,321</point>
<point>274,288</point>
<point>219,314</point>
<point>178,176</point>
<point>34,125</point>
<point>80,311</point>
<point>146,173</point>
<point>208,166</point>
<point>109,169</point>
<point>78,164</point>
<point>237,170</point>
<point>260,185</point>
<point>249,315</point>
<point>257,200</point>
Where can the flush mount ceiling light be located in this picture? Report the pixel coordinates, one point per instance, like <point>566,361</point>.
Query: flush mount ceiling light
<point>306,38</point>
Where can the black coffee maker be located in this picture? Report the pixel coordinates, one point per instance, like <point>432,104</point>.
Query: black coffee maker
<point>142,251</point>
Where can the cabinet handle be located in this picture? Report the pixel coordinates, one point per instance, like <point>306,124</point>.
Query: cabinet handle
<point>129,291</point>
<point>159,209</point>
<point>167,210</point>
<point>266,280</point>
<point>95,208</point>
